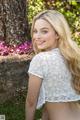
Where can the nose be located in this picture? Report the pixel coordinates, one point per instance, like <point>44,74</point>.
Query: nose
<point>38,35</point>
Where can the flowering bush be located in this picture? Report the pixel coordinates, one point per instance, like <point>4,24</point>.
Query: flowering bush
<point>23,48</point>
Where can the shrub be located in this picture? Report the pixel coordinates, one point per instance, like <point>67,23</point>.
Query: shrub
<point>70,9</point>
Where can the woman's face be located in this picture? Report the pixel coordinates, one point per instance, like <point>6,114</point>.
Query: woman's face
<point>44,35</point>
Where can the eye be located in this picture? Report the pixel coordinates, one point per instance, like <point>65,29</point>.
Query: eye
<point>34,31</point>
<point>44,31</point>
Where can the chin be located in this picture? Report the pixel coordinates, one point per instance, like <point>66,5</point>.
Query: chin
<point>41,49</point>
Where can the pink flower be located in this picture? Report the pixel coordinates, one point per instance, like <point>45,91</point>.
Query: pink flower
<point>23,48</point>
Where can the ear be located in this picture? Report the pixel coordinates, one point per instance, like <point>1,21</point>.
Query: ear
<point>57,36</point>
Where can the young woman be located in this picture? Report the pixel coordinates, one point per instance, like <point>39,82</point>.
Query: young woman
<point>54,72</point>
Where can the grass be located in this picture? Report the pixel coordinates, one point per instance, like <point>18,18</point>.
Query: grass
<point>14,109</point>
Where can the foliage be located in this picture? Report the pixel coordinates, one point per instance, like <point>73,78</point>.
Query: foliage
<point>34,6</point>
<point>14,109</point>
<point>70,9</point>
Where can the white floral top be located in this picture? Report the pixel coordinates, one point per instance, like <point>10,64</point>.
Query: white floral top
<point>56,77</point>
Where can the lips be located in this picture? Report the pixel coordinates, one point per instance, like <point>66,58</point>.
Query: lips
<point>40,43</point>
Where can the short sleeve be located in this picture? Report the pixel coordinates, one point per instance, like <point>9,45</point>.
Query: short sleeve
<point>35,67</point>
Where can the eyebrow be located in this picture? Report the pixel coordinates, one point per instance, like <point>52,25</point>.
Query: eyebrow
<point>43,28</point>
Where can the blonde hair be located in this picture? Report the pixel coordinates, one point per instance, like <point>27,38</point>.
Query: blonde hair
<point>67,46</point>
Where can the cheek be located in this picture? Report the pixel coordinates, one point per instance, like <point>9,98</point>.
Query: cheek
<point>47,37</point>
<point>52,39</point>
<point>33,37</point>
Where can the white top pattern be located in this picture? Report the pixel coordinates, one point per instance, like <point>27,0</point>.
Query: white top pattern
<point>56,77</point>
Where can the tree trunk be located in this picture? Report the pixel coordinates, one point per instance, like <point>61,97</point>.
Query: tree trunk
<point>13,21</point>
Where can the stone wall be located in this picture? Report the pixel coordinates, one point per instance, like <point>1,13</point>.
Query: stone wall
<point>13,75</point>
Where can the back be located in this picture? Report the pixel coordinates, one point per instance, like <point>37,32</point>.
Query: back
<point>56,85</point>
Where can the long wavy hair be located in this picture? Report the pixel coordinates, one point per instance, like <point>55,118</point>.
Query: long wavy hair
<point>69,49</point>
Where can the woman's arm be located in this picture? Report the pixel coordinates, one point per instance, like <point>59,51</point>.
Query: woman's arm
<point>32,96</point>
